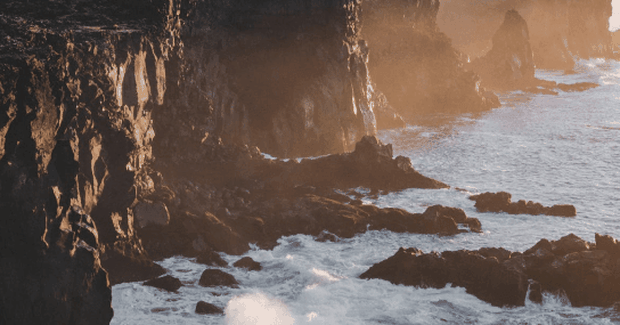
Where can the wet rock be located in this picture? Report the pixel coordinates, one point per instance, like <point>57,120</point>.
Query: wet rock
<point>205,308</point>
<point>214,278</point>
<point>589,276</point>
<point>501,202</point>
<point>370,165</point>
<point>248,263</point>
<point>211,258</point>
<point>167,282</point>
<point>484,277</point>
<point>535,294</point>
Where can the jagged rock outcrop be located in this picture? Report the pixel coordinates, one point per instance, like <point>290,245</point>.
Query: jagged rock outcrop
<point>415,65</point>
<point>560,30</point>
<point>510,62</point>
<point>587,273</point>
<point>246,199</point>
<point>502,202</point>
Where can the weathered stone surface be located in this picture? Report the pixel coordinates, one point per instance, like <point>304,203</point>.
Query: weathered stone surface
<point>587,273</point>
<point>205,308</point>
<point>214,278</point>
<point>485,277</point>
<point>248,263</point>
<point>167,282</point>
<point>502,202</point>
<point>149,213</point>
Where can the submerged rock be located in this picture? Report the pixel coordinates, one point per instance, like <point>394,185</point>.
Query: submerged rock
<point>501,202</point>
<point>168,283</point>
<point>587,273</point>
<point>248,263</point>
<point>205,308</point>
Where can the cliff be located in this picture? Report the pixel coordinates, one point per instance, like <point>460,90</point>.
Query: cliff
<point>560,30</point>
<point>128,132</point>
<point>414,63</point>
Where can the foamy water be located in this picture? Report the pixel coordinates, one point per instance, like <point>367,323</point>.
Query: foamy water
<point>550,149</point>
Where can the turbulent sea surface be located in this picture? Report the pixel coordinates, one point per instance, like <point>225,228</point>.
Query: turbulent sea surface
<point>561,149</point>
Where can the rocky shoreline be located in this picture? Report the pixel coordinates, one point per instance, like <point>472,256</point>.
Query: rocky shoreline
<point>587,273</point>
<point>130,132</point>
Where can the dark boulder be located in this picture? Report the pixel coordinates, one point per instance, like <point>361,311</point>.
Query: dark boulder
<point>589,275</point>
<point>211,258</point>
<point>501,202</point>
<point>248,263</point>
<point>214,278</point>
<point>205,308</point>
<point>167,282</point>
<point>485,277</point>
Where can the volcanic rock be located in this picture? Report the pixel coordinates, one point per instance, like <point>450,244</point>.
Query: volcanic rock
<point>167,282</point>
<point>502,202</point>
<point>587,274</point>
<point>211,258</point>
<point>485,277</point>
<point>214,278</point>
<point>248,263</point>
<point>205,308</point>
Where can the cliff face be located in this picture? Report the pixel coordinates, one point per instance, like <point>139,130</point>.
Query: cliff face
<point>287,76</point>
<point>414,63</point>
<point>98,98</point>
<point>559,29</point>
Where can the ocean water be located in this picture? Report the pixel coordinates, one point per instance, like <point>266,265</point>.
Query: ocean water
<point>561,149</point>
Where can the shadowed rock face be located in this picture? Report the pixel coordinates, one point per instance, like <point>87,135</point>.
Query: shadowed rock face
<point>414,63</point>
<point>287,76</point>
<point>587,273</point>
<point>510,63</point>
<point>559,29</point>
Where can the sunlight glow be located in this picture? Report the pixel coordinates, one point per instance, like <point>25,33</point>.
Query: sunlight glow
<point>614,20</point>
